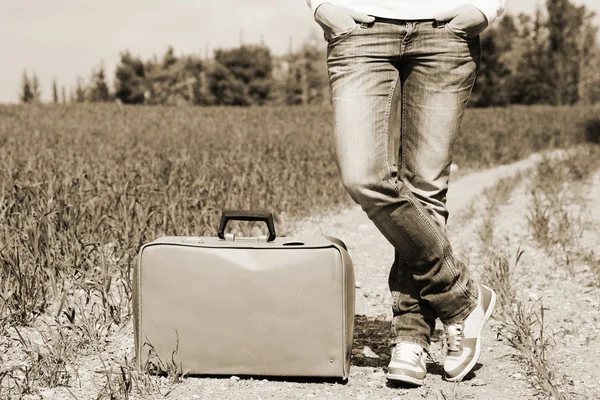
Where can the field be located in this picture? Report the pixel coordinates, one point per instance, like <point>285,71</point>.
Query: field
<point>83,187</point>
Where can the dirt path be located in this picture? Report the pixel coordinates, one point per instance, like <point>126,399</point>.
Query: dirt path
<point>567,290</point>
<point>498,376</point>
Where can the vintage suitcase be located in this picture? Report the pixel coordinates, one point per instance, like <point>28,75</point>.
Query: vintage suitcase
<point>226,305</point>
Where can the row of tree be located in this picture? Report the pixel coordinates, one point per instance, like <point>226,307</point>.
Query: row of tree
<point>247,75</point>
<point>549,58</point>
<point>96,91</point>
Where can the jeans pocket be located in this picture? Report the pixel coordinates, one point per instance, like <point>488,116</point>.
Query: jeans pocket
<point>457,32</point>
<point>339,36</point>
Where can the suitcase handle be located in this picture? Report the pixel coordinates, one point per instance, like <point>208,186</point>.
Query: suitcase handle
<point>245,215</point>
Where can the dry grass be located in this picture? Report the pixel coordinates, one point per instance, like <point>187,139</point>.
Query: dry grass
<point>554,223</point>
<point>83,187</point>
<point>556,219</point>
<point>522,328</point>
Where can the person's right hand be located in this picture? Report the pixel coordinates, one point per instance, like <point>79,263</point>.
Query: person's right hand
<point>336,19</point>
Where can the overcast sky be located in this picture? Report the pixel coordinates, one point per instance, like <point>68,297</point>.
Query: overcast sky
<point>64,39</point>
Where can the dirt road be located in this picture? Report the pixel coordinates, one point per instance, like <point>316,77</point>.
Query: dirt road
<point>499,375</point>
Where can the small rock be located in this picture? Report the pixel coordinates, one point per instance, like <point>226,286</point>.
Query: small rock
<point>366,294</point>
<point>533,297</point>
<point>234,378</point>
<point>478,382</point>
<point>453,167</point>
<point>357,285</point>
<point>369,353</point>
<point>517,375</point>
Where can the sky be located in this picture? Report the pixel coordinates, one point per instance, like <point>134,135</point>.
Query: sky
<point>66,39</point>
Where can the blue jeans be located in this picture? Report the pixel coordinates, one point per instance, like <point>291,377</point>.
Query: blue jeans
<point>399,90</point>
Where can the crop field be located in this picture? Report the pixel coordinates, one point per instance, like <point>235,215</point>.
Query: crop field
<point>83,187</point>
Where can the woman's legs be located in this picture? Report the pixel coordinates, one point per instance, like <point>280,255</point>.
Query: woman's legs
<point>374,76</point>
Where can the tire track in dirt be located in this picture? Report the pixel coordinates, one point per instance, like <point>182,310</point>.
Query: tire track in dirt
<point>500,376</point>
<point>569,295</point>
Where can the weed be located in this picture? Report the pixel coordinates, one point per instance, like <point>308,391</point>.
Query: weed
<point>556,213</point>
<point>499,276</point>
<point>523,330</point>
<point>592,259</point>
<point>539,218</point>
<point>495,197</point>
<point>122,379</point>
<point>45,364</point>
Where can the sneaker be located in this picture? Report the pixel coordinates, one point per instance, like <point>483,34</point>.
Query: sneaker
<point>463,340</point>
<point>408,364</point>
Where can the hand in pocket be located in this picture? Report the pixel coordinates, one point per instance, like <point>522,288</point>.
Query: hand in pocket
<point>468,19</point>
<point>336,20</point>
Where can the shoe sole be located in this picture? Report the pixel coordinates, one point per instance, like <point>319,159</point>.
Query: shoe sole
<point>486,317</point>
<point>405,379</point>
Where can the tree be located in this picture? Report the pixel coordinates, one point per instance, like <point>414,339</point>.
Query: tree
<point>570,39</point>
<point>175,81</point>
<point>590,80</point>
<point>80,91</point>
<point>130,80</point>
<point>169,58</point>
<point>26,95</point>
<point>98,91</point>
<point>54,92</point>
<point>490,87</point>
<point>250,66</point>
<point>36,90</point>
<point>226,88</point>
<point>531,80</point>
<point>589,66</point>
<point>63,95</point>
<point>558,20</point>
<point>306,81</point>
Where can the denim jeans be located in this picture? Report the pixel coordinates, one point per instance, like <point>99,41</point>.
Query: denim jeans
<point>399,90</point>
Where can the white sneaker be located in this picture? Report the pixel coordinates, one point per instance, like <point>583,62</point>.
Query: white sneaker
<point>408,364</point>
<point>463,340</point>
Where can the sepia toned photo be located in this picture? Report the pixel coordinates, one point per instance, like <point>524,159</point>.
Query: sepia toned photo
<point>307,199</point>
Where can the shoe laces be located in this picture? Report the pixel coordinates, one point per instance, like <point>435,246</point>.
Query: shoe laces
<point>408,352</point>
<point>455,334</point>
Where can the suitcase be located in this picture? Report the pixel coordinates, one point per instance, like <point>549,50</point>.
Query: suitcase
<point>261,306</point>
